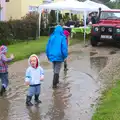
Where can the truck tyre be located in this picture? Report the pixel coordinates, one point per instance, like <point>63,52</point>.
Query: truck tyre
<point>94,41</point>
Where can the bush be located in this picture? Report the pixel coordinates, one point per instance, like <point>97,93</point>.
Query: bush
<point>4,30</point>
<point>24,29</point>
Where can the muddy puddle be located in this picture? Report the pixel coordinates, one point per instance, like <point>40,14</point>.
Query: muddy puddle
<point>73,100</point>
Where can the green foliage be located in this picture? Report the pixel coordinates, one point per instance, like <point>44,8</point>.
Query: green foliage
<point>66,17</point>
<point>4,30</point>
<point>23,50</point>
<point>23,29</point>
<point>102,1</point>
<point>74,17</point>
<point>114,5</point>
<point>52,18</point>
<point>106,2</point>
<point>109,108</point>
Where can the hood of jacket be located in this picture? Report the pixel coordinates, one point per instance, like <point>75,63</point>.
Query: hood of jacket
<point>3,49</point>
<point>38,62</point>
<point>56,48</point>
<point>66,33</point>
<point>58,30</point>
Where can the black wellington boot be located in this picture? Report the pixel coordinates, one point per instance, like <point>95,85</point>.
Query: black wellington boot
<point>65,66</point>
<point>37,101</point>
<point>55,80</point>
<point>2,91</point>
<point>28,101</point>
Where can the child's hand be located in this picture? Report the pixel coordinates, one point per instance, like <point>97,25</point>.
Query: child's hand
<point>68,59</point>
<point>65,59</point>
<point>42,78</point>
<point>27,83</point>
<point>12,56</point>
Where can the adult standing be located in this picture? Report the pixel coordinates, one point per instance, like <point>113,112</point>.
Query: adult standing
<point>57,52</point>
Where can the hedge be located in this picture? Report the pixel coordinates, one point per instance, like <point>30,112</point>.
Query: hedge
<point>23,29</point>
<point>26,28</point>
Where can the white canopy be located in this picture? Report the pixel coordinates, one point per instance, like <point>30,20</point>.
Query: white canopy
<point>96,5</point>
<point>68,5</point>
<point>72,5</point>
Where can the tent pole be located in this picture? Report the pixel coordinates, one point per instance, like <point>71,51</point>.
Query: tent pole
<point>70,15</point>
<point>39,22</point>
<point>57,17</point>
<point>85,28</point>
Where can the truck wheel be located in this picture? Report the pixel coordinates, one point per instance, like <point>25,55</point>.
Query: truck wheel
<point>94,41</point>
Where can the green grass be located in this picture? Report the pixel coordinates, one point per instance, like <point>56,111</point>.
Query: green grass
<point>109,109</point>
<point>74,41</point>
<point>78,37</point>
<point>23,50</point>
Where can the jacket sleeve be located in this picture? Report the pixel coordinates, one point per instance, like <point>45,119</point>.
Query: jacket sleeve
<point>67,33</point>
<point>64,48</point>
<point>27,75</point>
<point>5,59</point>
<point>47,48</point>
<point>41,71</point>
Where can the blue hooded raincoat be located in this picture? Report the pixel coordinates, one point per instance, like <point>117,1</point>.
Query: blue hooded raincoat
<point>57,49</point>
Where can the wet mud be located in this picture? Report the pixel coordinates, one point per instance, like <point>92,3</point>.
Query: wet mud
<point>74,99</point>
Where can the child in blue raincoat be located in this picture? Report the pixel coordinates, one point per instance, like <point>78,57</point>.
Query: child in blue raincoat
<point>57,52</point>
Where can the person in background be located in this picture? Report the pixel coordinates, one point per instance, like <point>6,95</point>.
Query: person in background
<point>57,52</point>
<point>97,17</point>
<point>66,33</point>
<point>88,19</point>
<point>34,76</point>
<point>77,23</point>
<point>93,18</point>
<point>4,68</point>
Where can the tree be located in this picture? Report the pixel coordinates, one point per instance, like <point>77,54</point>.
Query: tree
<point>99,1</point>
<point>104,1</point>
<point>114,5</point>
<point>53,16</point>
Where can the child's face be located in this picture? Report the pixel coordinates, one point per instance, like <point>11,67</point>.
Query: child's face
<point>33,62</point>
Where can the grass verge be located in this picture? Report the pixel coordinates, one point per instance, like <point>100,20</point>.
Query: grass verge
<point>109,108</point>
<point>23,50</point>
<point>78,38</point>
